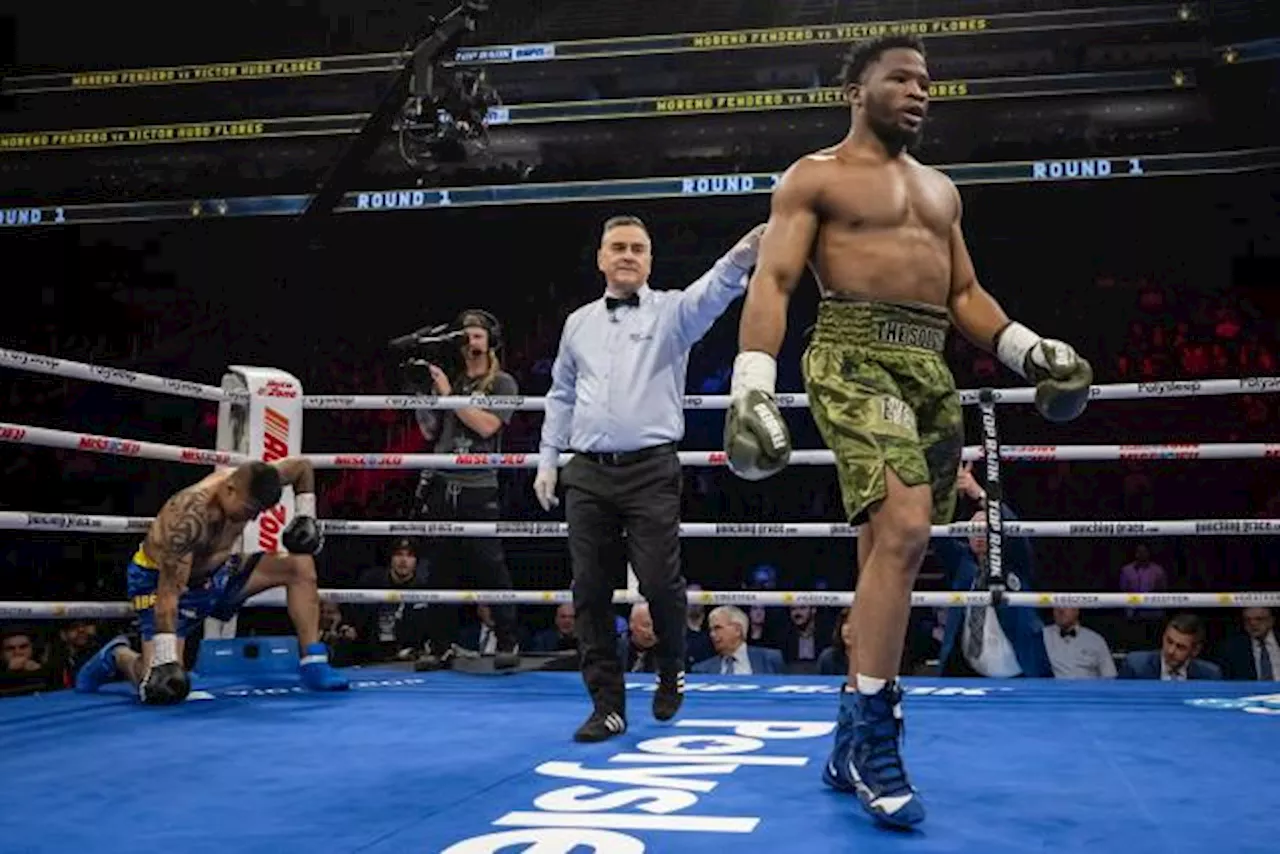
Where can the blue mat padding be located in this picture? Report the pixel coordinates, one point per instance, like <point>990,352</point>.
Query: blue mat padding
<point>409,762</point>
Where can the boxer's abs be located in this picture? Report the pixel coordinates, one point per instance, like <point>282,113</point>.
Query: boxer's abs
<point>903,264</point>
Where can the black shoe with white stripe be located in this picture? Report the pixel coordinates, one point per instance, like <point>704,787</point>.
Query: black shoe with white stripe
<point>600,726</point>
<point>669,696</point>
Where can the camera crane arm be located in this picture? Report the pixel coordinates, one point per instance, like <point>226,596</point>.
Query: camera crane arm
<point>413,78</point>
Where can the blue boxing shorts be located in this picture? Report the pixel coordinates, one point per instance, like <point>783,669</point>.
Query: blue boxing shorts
<point>218,595</point>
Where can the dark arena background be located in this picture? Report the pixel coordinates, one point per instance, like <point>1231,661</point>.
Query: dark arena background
<point>294,185</point>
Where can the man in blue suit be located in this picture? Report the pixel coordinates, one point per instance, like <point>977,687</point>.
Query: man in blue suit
<point>1176,659</point>
<point>1254,655</point>
<point>729,627</point>
<point>995,642</point>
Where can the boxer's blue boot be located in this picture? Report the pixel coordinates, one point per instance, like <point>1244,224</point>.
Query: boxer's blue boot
<point>835,773</point>
<point>874,762</point>
<point>317,675</point>
<point>101,668</point>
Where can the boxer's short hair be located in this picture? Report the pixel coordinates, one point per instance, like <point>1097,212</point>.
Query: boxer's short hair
<point>264,485</point>
<point>862,54</point>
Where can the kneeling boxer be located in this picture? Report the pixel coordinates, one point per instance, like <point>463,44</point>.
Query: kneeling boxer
<point>185,570</point>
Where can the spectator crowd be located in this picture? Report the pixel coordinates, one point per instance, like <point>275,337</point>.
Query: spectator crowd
<point>1140,331</point>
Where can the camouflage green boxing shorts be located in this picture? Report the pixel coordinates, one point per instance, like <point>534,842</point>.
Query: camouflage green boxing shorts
<point>882,395</point>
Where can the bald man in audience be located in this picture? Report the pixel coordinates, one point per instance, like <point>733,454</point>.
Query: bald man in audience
<point>1076,652</point>
<point>637,649</point>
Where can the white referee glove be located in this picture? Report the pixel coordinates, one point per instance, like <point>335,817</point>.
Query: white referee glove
<point>744,253</point>
<point>544,487</point>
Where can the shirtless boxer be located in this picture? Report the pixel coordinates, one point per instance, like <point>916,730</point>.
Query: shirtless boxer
<point>187,569</point>
<point>882,233</point>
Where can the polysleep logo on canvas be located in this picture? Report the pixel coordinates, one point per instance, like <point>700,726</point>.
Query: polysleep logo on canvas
<point>1260,704</point>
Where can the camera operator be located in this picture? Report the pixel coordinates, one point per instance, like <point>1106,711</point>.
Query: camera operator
<point>469,494</point>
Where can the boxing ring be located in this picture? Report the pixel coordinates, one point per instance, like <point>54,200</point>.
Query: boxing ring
<point>467,763</point>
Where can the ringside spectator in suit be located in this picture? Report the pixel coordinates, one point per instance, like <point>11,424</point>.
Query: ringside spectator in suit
<point>803,643</point>
<point>985,641</point>
<point>729,627</point>
<point>638,645</point>
<point>1254,655</point>
<point>560,637</point>
<point>1176,659</point>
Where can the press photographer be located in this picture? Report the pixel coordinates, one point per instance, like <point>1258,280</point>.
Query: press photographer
<point>467,494</point>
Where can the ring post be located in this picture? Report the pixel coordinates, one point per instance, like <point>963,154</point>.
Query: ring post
<point>993,563</point>
<point>266,425</point>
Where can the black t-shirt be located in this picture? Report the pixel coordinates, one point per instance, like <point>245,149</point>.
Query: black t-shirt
<point>455,437</point>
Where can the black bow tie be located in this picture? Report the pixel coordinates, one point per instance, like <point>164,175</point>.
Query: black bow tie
<point>1067,633</point>
<point>611,303</point>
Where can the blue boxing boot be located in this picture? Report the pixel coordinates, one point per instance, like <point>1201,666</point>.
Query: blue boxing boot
<point>317,675</point>
<point>101,668</point>
<point>836,772</point>
<point>874,764</point>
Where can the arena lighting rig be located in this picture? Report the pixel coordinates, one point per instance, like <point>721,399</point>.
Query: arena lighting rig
<point>436,115</point>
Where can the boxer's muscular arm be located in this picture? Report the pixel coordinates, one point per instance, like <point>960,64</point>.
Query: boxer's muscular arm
<point>784,251</point>
<point>181,528</point>
<point>974,311</point>
<point>1063,378</point>
<point>298,473</point>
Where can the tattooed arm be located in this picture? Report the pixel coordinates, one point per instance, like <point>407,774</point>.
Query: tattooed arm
<point>181,529</point>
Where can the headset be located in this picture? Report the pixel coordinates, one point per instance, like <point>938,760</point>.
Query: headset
<point>487,321</point>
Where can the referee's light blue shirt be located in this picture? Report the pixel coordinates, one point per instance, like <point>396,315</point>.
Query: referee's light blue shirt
<point>619,378</point>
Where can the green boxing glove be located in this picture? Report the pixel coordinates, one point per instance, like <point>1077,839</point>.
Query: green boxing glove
<point>756,441</point>
<point>1062,377</point>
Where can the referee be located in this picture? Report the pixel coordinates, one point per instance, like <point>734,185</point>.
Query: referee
<point>617,404</point>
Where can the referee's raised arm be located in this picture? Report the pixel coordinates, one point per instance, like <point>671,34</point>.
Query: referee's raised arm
<point>617,405</point>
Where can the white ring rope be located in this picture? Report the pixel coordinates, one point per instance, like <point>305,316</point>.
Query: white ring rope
<point>36,363</point>
<point>29,435</point>
<point>52,366</point>
<point>115,446</point>
<point>765,598</point>
<point>822,457</point>
<point>968,397</point>
<point>12,521</point>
